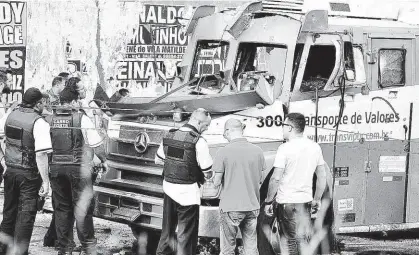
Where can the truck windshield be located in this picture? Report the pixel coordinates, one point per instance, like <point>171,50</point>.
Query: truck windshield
<point>260,58</point>
<point>210,58</point>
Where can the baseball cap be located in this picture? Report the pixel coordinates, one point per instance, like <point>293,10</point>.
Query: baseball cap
<point>33,95</point>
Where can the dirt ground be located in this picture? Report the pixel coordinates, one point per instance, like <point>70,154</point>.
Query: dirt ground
<point>117,239</point>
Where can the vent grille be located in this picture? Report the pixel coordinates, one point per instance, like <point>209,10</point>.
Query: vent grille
<point>286,6</point>
<point>340,7</point>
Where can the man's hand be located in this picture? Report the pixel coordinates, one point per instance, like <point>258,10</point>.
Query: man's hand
<point>104,166</point>
<point>315,204</point>
<point>208,175</point>
<point>269,210</point>
<point>43,192</point>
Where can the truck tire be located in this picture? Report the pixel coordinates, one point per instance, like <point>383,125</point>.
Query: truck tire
<point>147,240</point>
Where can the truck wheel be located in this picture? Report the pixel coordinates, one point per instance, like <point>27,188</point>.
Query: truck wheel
<point>147,240</point>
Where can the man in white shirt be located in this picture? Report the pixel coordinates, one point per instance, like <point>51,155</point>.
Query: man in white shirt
<point>295,164</point>
<point>187,161</point>
<point>27,143</point>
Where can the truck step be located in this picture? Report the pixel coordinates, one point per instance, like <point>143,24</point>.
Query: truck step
<point>152,170</point>
<point>150,187</point>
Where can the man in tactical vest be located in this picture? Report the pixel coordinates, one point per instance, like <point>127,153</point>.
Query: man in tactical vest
<point>187,161</point>
<point>27,143</point>
<point>58,84</point>
<point>74,143</point>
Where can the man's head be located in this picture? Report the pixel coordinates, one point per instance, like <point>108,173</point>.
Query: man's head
<point>68,96</point>
<point>5,93</point>
<point>200,119</point>
<point>293,125</point>
<point>64,75</point>
<point>58,84</point>
<point>75,83</point>
<point>124,92</point>
<point>9,75</point>
<point>34,98</point>
<point>233,128</point>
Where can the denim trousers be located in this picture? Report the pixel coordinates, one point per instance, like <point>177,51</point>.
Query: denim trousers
<point>231,222</point>
<point>294,226</point>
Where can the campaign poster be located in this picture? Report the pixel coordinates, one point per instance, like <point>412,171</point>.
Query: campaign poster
<point>157,45</point>
<point>13,33</point>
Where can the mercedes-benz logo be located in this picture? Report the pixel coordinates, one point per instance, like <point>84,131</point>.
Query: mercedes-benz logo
<point>141,142</point>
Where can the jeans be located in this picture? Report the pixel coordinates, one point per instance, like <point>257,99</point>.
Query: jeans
<point>186,218</point>
<point>294,226</point>
<point>21,189</point>
<point>73,199</point>
<point>230,223</point>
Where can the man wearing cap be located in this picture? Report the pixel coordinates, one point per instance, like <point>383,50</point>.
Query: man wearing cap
<point>186,158</point>
<point>239,168</point>
<point>27,143</point>
<point>74,142</point>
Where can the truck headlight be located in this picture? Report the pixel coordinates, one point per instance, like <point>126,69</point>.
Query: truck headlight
<point>113,129</point>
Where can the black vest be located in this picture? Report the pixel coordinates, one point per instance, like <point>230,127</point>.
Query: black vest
<point>180,165</point>
<point>20,142</point>
<point>68,144</point>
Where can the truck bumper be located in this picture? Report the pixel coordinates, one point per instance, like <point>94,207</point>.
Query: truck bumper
<point>146,211</point>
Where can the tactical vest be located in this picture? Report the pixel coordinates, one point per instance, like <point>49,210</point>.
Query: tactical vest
<point>180,165</point>
<point>20,142</point>
<point>68,144</point>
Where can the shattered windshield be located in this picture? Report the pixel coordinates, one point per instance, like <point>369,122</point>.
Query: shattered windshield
<point>210,58</point>
<point>260,58</point>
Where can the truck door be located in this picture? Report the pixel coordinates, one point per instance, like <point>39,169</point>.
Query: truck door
<point>390,64</point>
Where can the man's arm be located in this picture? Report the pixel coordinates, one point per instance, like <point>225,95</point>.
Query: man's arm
<point>203,157</point>
<point>274,183</point>
<point>263,165</point>
<point>43,146</point>
<point>160,157</point>
<point>100,152</point>
<point>321,182</point>
<point>218,168</point>
<point>92,137</point>
<point>42,163</point>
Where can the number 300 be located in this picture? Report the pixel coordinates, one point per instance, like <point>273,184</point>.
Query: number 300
<point>270,121</point>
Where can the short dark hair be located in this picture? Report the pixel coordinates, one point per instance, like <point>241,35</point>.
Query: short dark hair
<point>72,83</point>
<point>6,90</point>
<point>67,95</point>
<point>9,71</point>
<point>297,120</point>
<point>123,91</point>
<point>57,80</point>
<point>64,74</point>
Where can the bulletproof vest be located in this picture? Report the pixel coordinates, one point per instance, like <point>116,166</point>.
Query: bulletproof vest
<point>180,165</point>
<point>68,145</point>
<point>20,142</point>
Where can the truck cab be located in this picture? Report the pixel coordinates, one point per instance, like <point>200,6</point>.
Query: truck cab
<point>269,61</point>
